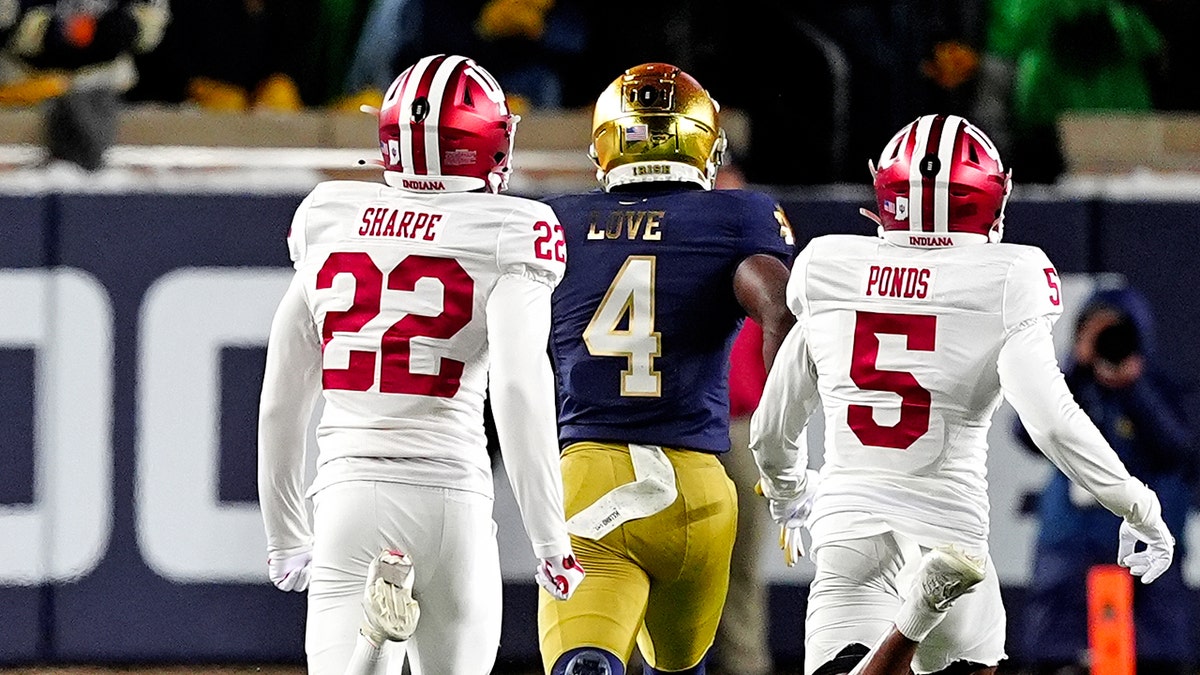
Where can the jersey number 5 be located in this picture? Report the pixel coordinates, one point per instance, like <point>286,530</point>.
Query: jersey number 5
<point>919,329</point>
<point>395,346</point>
<point>629,299</point>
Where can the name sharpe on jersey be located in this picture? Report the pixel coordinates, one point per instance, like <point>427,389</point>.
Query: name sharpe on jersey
<point>910,283</point>
<point>629,224</point>
<point>383,221</point>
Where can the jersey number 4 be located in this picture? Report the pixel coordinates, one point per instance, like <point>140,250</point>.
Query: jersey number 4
<point>919,330</point>
<point>395,377</point>
<point>629,300</point>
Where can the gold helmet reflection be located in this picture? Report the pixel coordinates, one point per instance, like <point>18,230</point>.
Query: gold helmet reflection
<point>656,123</point>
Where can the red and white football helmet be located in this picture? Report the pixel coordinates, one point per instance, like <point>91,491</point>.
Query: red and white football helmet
<point>445,127</point>
<point>940,182</point>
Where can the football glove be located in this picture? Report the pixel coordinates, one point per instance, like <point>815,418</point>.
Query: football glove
<point>289,569</point>
<point>1152,561</point>
<point>559,575</point>
<point>792,516</point>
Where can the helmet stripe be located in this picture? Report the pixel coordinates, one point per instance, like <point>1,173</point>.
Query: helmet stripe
<point>418,128</point>
<point>951,137</point>
<point>916,187</point>
<point>407,96</point>
<point>929,183</point>
<point>437,92</point>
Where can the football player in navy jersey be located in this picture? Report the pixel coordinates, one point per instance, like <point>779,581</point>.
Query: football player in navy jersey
<point>663,270</point>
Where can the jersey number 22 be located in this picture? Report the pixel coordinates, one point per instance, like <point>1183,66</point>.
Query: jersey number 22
<point>395,346</point>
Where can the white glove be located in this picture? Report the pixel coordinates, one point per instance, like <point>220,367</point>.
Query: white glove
<point>290,568</point>
<point>1152,561</point>
<point>792,516</point>
<point>559,575</point>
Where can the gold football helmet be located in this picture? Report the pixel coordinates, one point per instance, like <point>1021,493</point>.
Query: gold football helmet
<point>656,123</point>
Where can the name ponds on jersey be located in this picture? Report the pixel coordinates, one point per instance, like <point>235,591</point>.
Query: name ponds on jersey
<point>642,225</point>
<point>909,283</point>
<point>382,221</point>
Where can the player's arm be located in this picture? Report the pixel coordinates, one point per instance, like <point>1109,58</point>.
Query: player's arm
<point>761,278</point>
<point>1033,383</point>
<point>522,392</point>
<point>776,429</point>
<point>760,284</point>
<point>521,386</point>
<point>291,384</point>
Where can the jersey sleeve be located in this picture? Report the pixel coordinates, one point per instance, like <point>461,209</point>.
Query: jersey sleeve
<point>797,288</point>
<point>764,228</point>
<point>532,244</point>
<point>291,386</point>
<point>1032,382</point>
<point>522,391</point>
<point>1031,290</point>
<point>297,237</point>
<point>776,429</point>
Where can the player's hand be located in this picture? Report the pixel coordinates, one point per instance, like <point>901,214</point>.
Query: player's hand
<point>559,575</point>
<point>289,569</point>
<point>792,516</point>
<point>1152,561</point>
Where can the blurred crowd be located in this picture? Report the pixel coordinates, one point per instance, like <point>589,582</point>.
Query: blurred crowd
<point>823,81</point>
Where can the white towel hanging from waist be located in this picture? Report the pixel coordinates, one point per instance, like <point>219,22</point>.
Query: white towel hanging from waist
<point>652,490</point>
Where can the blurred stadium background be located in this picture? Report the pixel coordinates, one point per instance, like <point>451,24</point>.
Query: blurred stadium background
<point>151,155</point>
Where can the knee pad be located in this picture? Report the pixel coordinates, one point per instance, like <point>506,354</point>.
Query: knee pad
<point>588,661</point>
<point>845,660</point>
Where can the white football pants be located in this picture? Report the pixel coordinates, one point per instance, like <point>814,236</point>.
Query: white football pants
<point>857,592</point>
<point>451,538</point>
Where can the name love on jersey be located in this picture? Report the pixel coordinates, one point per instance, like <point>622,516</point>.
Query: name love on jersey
<point>896,281</point>
<point>382,221</point>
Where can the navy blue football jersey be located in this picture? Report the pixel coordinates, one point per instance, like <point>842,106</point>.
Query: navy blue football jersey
<point>645,316</point>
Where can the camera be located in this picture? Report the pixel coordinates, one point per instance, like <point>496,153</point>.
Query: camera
<point>1116,342</point>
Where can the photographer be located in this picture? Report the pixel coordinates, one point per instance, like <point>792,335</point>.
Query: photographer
<point>1116,379</point>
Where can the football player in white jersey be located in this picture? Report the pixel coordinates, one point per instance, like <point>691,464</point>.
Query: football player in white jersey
<point>407,299</point>
<point>909,340</point>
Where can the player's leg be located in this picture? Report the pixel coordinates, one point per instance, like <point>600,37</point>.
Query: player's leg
<point>944,575</point>
<point>345,539</point>
<point>594,631</point>
<point>596,628</point>
<point>457,583</point>
<point>852,602</point>
<point>689,573</point>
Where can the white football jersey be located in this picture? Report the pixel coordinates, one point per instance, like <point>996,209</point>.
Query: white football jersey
<point>397,285</point>
<point>905,343</point>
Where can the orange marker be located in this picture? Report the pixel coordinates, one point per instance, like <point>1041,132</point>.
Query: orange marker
<point>1110,620</point>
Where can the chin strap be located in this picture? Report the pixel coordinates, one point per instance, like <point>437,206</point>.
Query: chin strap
<point>871,215</point>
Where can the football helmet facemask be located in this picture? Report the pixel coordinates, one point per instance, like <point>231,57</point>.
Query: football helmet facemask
<point>445,127</point>
<point>940,182</point>
<point>655,123</point>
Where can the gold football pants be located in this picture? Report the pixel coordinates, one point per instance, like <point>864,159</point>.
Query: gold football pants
<point>660,580</point>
